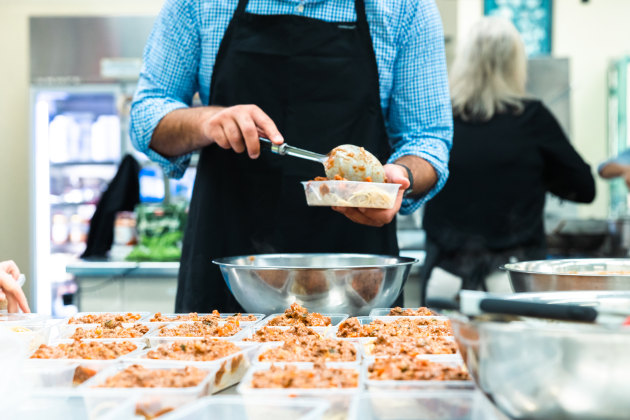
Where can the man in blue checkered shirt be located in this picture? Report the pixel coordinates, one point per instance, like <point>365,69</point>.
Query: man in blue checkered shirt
<point>317,73</point>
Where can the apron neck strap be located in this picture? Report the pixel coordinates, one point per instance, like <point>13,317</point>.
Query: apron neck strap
<point>240,9</point>
<point>359,7</point>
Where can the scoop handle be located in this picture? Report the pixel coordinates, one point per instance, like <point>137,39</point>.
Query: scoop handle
<point>268,145</point>
<point>284,149</point>
<point>539,310</point>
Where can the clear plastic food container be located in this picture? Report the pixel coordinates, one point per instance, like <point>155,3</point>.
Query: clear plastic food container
<point>143,316</point>
<point>351,194</point>
<point>66,331</point>
<point>31,333</point>
<point>385,312</point>
<point>335,319</point>
<point>61,375</point>
<point>425,405</point>
<point>155,339</point>
<point>418,385</point>
<point>151,402</point>
<point>229,369</point>
<point>237,408</point>
<point>321,331</point>
<point>259,317</point>
<point>272,345</point>
<point>68,407</point>
<point>338,398</point>
<point>368,350</point>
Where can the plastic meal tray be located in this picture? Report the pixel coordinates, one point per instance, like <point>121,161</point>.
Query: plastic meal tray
<point>335,320</point>
<point>368,346</point>
<point>259,317</point>
<point>31,333</point>
<point>271,345</point>
<point>57,375</point>
<point>351,194</point>
<point>419,385</point>
<point>385,312</point>
<point>339,398</point>
<point>322,331</point>
<point>250,408</point>
<point>229,369</point>
<point>67,330</point>
<point>143,316</point>
<point>155,339</point>
<point>151,401</point>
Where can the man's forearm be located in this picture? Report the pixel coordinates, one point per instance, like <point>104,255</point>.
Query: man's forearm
<point>424,175</point>
<point>182,131</point>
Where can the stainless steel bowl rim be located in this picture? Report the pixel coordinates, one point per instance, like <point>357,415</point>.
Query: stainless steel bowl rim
<point>516,267</point>
<point>229,261</point>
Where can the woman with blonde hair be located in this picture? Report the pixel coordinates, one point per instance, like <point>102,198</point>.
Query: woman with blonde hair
<point>508,152</point>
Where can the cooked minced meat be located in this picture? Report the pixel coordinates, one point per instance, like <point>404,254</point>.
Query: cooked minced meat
<point>100,318</point>
<point>422,311</point>
<point>299,315</point>
<point>280,334</point>
<point>308,349</point>
<point>414,327</point>
<point>414,369</point>
<point>92,350</point>
<point>136,376</point>
<point>200,329</point>
<point>197,350</point>
<point>194,316</point>
<point>385,345</point>
<point>318,377</point>
<point>111,329</point>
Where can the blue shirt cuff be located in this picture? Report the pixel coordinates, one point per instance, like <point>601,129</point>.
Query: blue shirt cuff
<point>439,163</point>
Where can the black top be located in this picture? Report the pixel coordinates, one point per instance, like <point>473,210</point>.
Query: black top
<point>500,171</point>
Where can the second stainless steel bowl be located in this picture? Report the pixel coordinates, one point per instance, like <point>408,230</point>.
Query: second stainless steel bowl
<point>328,283</point>
<point>570,274</point>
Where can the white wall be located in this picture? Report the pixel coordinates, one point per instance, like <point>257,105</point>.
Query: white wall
<point>14,96</point>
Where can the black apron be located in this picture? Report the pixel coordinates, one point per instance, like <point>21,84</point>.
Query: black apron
<point>318,81</point>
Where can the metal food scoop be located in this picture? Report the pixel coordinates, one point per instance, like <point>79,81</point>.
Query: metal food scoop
<point>347,161</point>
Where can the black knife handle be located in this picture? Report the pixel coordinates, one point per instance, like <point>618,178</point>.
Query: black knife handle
<point>539,310</point>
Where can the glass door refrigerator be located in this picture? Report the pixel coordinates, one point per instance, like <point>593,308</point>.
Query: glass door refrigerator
<point>83,74</point>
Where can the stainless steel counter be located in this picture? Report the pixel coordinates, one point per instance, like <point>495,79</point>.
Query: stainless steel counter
<point>83,268</point>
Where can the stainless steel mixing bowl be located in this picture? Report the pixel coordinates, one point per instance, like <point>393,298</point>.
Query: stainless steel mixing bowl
<point>570,274</point>
<point>328,283</point>
<point>538,369</point>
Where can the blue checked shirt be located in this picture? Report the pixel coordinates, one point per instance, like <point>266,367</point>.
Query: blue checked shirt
<point>409,45</point>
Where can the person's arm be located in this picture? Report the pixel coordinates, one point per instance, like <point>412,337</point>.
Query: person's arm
<point>9,273</point>
<point>619,166</point>
<point>420,121</point>
<point>566,174</point>
<point>163,126</point>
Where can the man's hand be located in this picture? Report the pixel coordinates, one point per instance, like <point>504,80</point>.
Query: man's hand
<point>9,288</point>
<point>380,217</point>
<point>238,128</point>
